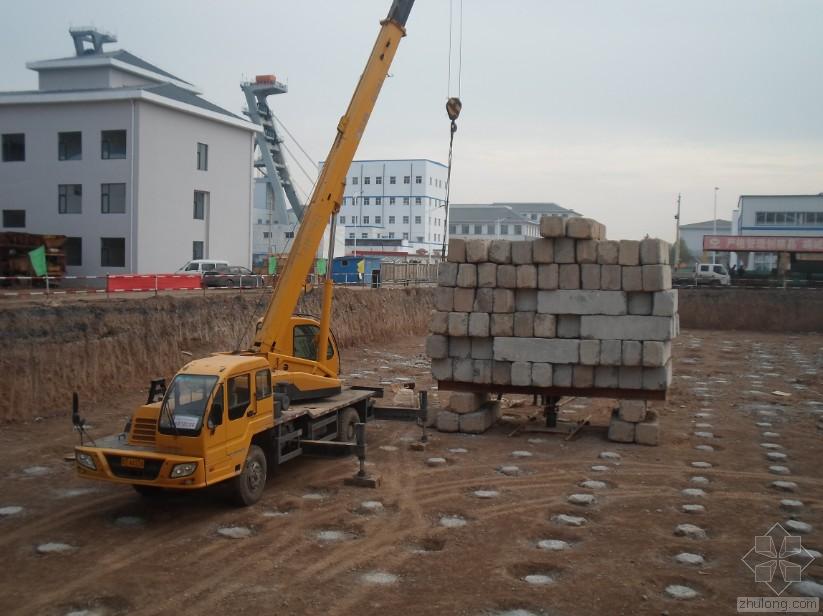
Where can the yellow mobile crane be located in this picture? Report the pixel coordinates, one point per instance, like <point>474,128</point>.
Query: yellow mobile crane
<point>220,418</point>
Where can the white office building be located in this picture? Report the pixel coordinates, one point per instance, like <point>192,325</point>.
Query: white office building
<point>126,160</point>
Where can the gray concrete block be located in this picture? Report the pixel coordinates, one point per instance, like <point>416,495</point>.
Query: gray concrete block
<point>479,324</point>
<point>633,411</point>
<point>463,370</point>
<point>611,277</point>
<point>525,300</point>
<point>545,325</point>
<point>448,421</point>
<point>444,298</point>
<point>483,300</point>
<point>506,276</point>
<point>458,324</point>
<point>654,251</point>
<point>442,369</point>
<point>562,375</point>
<point>463,300</point>
<point>447,274</point>
<point>611,352</point>
<point>522,252</point>
<point>543,250</point>
<point>500,251</point>
<point>552,226</point>
<point>564,250</point>
<point>631,377</point>
<point>648,431</point>
<point>581,302</point>
<point>503,300</point>
<point>526,277</point>
<point>627,327</point>
<point>437,346</point>
<point>481,420</point>
<point>606,376</point>
<point>629,252</point>
<point>524,324</point>
<point>477,250</point>
<point>590,276</point>
<point>657,379</point>
<point>632,353</point>
<point>621,431</point>
<point>590,352</point>
<point>586,251</point>
<point>656,354</point>
<point>461,402</point>
<point>547,276</point>
<point>583,376</point>
<point>568,326</point>
<point>640,303</point>
<point>657,277</point>
<point>582,228</point>
<point>665,303</point>
<point>482,348</point>
<point>502,373</point>
<point>541,375</point>
<point>522,373</point>
<point>608,252</point>
<point>502,324</point>
<point>439,322</point>
<point>460,347</point>
<point>467,275</point>
<point>487,275</point>
<point>542,350</point>
<point>482,371</point>
<point>568,276</point>
<point>456,252</point>
<point>632,278</point>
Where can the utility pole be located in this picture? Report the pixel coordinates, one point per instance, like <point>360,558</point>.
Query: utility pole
<point>677,235</point>
<point>714,224</point>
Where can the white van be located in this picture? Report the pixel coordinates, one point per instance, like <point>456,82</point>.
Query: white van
<point>198,266</point>
<point>712,273</point>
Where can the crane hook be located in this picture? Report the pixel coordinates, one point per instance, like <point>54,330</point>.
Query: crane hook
<point>453,107</point>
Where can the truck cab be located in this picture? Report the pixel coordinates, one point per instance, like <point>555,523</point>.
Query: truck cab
<point>712,273</point>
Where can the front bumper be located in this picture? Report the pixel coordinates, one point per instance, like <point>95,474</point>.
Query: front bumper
<point>141,467</point>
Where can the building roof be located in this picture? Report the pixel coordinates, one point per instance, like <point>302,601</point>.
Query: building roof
<point>485,213</point>
<point>535,207</point>
<point>817,196</point>
<point>707,224</point>
<point>169,90</point>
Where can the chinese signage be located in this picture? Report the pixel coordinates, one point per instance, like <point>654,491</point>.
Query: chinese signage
<point>754,243</point>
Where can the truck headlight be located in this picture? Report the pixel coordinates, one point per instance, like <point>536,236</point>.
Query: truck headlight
<point>183,470</point>
<point>84,459</point>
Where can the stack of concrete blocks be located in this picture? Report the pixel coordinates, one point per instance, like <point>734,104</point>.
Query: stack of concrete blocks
<point>570,309</point>
<point>468,412</point>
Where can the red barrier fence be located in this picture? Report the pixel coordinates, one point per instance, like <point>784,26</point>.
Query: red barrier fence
<point>153,282</point>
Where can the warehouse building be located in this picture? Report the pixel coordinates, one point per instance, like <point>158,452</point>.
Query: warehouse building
<point>692,236</point>
<point>512,221</point>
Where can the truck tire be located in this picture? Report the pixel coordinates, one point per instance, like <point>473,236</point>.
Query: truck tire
<point>345,425</point>
<point>248,486</point>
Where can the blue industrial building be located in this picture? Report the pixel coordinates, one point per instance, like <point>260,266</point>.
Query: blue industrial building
<point>356,270</point>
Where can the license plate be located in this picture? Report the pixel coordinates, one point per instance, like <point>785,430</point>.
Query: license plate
<point>133,462</point>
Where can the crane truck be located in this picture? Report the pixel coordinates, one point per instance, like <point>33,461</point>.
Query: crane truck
<point>230,416</point>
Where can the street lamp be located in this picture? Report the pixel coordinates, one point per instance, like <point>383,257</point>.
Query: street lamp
<point>714,224</point>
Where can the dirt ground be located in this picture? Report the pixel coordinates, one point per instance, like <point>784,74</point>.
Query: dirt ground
<point>128,556</point>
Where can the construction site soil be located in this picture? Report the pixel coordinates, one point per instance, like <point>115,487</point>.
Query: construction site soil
<point>459,537</point>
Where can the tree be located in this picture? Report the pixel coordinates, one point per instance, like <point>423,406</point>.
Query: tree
<point>685,254</point>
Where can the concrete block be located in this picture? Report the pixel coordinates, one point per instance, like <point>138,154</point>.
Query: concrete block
<point>665,303</point>
<point>437,346</point>
<point>502,324</point>
<point>487,275</point>
<point>543,250</point>
<point>611,277</point>
<point>582,228</point>
<point>483,300</point>
<point>629,252</point>
<point>601,232</point>
<point>552,226</point>
<point>583,376</point>
<point>444,298</point>
<point>564,250</point>
<point>541,375</point>
<point>568,276</point>
<point>466,401</point>
<point>467,275</point>
<point>506,276</point>
<point>631,377</point>
<point>590,352</point>
<point>442,369</point>
<point>545,325</point>
<point>656,354</point>
<point>447,274</point>
<point>460,347</point>
<point>621,431</point>
<point>648,431</point>
<point>543,350</point>
<point>477,251</point>
<point>526,277</point>
<point>500,251</point>
<point>657,379</point>
<point>482,371</point>
<point>524,324</point>
<point>457,250</point>
<point>503,300</point>
<point>522,252</point>
<point>657,277</point>
<point>628,327</point>
<point>606,376</point>
<point>522,373</point>
<point>481,420</point>
<point>581,302</point>
<point>458,324</point>
<point>590,276</point>
<point>631,410</point>
<point>586,251</point>
<point>632,278</point>
<point>501,373</point>
<point>439,322</point>
<point>568,326</point>
<point>448,421</point>
<point>463,300</point>
<point>547,276</point>
<point>525,300</point>
<point>479,324</point>
<point>608,252</point>
<point>640,303</point>
<point>654,251</point>
<point>482,348</point>
<point>632,353</point>
<point>562,375</point>
<point>463,370</point>
<point>611,352</point>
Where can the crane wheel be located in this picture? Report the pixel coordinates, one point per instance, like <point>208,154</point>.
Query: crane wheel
<point>248,486</point>
<point>345,425</point>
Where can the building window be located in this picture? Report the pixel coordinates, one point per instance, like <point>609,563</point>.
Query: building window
<point>430,181</point>
<point>391,200</point>
<point>490,229</point>
<point>405,200</point>
<point>351,236</point>
<point>367,180</point>
<point>378,201</point>
<point>70,146</point>
<point>464,229</point>
<point>113,144</point>
<point>354,180</point>
<point>405,220</point>
<point>342,220</point>
<point>418,220</point>
<point>365,220</point>
<point>392,179</point>
<point>201,201</point>
<point>266,235</point>
<point>378,180</point>
<point>202,157</point>
<point>364,236</point>
<point>366,201</point>
<point>452,228</point>
<point>378,220</point>
<point>69,198</point>
<point>354,220</point>
<point>14,147</point>
<point>405,236</point>
<point>113,252</point>
<point>420,238</point>
<point>407,180</point>
<point>504,229</point>
<point>197,249</point>
<point>478,229</point>
<point>418,179</point>
<point>14,219</point>
<point>391,235</point>
<point>113,198</point>
<point>418,201</point>
<point>73,248</point>
<point>518,229</point>
<point>391,220</point>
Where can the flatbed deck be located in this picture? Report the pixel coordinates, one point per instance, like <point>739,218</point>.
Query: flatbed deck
<point>318,408</point>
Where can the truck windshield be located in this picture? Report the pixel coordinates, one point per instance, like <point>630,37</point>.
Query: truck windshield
<point>186,401</point>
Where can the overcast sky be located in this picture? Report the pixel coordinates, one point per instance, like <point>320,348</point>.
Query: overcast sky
<point>608,107</point>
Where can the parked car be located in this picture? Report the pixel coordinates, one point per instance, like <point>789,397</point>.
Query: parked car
<point>703,273</point>
<point>232,276</point>
<point>200,266</point>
